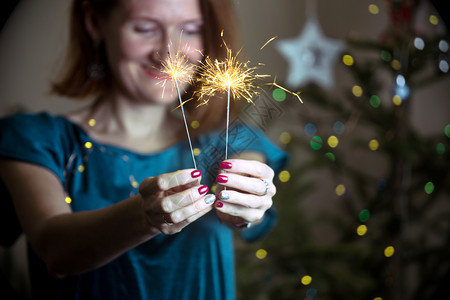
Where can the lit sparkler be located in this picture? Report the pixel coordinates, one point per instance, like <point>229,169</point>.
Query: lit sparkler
<point>180,69</point>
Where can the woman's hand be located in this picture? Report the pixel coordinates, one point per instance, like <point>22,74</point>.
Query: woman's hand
<point>245,193</point>
<point>174,200</point>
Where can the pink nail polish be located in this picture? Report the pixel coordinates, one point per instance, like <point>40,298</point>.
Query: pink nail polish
<point>219,204</point>
<point>203,189</point>
<point>222,178</point>
<point>196,173</point>
<point>225,165</point>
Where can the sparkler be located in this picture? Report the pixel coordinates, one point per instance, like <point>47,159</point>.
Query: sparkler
<point>180,70</point>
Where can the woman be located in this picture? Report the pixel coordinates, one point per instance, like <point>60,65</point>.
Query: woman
<point>107,196</point>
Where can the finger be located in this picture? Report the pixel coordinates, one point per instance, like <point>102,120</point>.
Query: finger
<point>182,199</point>
<point>185,213</point>
<point>256,186</point>
<point>237,214</point>
<point>168,228</point>
<point>251,168</point>
<point>169,181</point>
<point>245,200</point>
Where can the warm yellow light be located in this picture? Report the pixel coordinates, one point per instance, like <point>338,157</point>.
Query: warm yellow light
<point>134,184</point>
<point>91,122</point>
<point>306,280</point>
<point>195,124</point>
<point>374,144</point>
<point>261,254</point>
<point>357,91</point>
<point>81,168</point>
<point>88,145</point>
<point>397,100</point>
<point>361,230</point>
<point>373,9</point>
<point>285,138</point>
<point>377,298</point>
<point>389,251</point>
<point>434,19</point>
<point>347,60</point>
<point>284,176</point>
<point>396,65</point>
<point>340,189</point>
<point>68,200</point>
<point>196,151</point>
<point>333,141</point>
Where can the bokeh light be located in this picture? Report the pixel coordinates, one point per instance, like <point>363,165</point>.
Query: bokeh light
<point>389,251</point>
<point>429,187</point>
<point>91,122</point>
<point>196,151</point>
<point>306,280</point>
<point>310,129</point>
<point>373,9</point>
<point>443,46</point>
<point>279,95</point>
<point>330,156</point>
<point>364,215</point>
<point>443,66</point>
<point>311,293</point>
<point>433,19</point>
<point>361,230</point>
<point>88,145</point>
<point>348,60</point>
<point>333,141</point>
<point>261,254</point>
<point>374,101</point>
<point>440,148</point>
<point>386,55</point>
<point>68,200</point>
<point>419,43</point>
<point>396,65</point>
<point>374,145</point>
<point>195,124</point>
<point>377,298</point>
<point>397,100</point>
<point>357,91</point>
<point>340,189</point>
<point>338,127</point>
<point>316,142</point>
<point>284,176</point>
<point>81,168</point>
<point>134,184</point>
<point>285,138</point>
<point>447,130</point>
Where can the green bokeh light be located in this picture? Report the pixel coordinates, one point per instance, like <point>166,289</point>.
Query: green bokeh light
<point>429,187</point>
<point>330,156</point>
<point>364,215</point>
<point>279,95</point>
<point>385,55</point>
<point>316,142</point>
<point>447,130</point>
<point>440,148</point>
<point>374,101</point>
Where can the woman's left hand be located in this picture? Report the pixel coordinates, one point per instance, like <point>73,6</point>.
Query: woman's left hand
<point>244,192</point>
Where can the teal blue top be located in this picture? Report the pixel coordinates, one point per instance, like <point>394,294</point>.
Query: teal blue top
<point>196,263</point>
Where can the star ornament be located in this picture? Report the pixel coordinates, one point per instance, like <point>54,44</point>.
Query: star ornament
<point>311,56</point>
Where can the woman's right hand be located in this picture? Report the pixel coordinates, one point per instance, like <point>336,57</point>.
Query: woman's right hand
<point>174,200</point>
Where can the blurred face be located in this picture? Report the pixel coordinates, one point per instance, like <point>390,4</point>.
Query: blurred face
<point>137,35</point>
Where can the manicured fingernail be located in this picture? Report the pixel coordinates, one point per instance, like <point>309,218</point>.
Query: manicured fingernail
<point>203,189</point>
<point>210,199</point>
<point>222,178</point>
<point>224,196</point>
<point>219,204</point>
<point>196,173</point>
<point>225,165</point>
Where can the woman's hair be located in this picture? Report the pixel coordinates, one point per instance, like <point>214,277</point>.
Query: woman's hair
<point>74,82</point>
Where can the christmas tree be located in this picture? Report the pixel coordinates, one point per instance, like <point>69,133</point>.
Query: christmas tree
<point>382,228</point>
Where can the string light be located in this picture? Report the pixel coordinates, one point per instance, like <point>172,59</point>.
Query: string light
<point>333,141</point>
<point>373,145</point>
<point>285,138</point>
<point>361,230</point>
<point>284,176</point>
<point>261,254</point>
<point>357,91</point>
<point>429,188</point>
<point>316,142</point>
<point>340,189</point>
<point>389,251</point>
<point>306,280</point>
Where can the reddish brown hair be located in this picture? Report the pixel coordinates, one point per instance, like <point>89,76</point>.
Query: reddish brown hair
<point>218,16</point>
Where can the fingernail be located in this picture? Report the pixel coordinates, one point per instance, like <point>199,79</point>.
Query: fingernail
<point>224,196</point>
<point>196,173</point>
<point>210,199</point>
<point>203,189</point>
<point>219,204</point>
<point>225,165</point>
<point>222,178</point>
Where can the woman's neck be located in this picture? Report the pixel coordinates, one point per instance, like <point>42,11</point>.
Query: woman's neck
<point>135,126</point>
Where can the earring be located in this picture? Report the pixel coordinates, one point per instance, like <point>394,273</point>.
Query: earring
<point>96,69</point>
